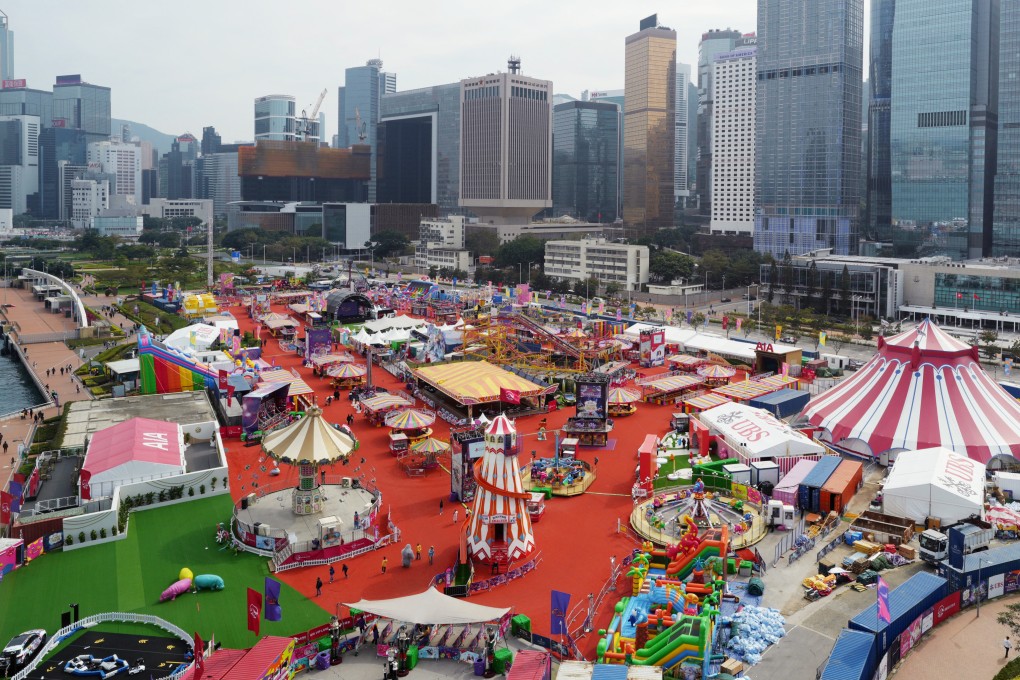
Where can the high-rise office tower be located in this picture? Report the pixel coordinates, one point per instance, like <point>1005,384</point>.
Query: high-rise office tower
<point>275,118</point>
<point>943,126</point>
<point>82,106</point>
<point>6,48</point>
<point>681,185</point>
<point>734,77</point>
<point>211,141</point>
<point>506,145</point>
<point>217,179</point>
<point>19,162</point>
<point>418,155</point>
<point>619,98</point>
<point>878,220</point>
<point>648,120</point>
<point>124,162</point>
<point>586,149</point>
<point>713,43</point>
<point>177,168</point>
<point>1006,221</point>
<point>23,101</point>
<point>692,140</point>
<point>359,109</point>
<point>808,126</point>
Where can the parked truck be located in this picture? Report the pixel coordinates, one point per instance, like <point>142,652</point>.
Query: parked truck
<point>977,535</point>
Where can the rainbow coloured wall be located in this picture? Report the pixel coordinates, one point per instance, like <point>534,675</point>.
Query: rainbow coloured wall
<point>163,372</point>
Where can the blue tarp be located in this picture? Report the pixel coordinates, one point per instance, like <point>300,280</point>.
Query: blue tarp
<point>906,603</point>
<point>782,404</point>
<point>852,657</point>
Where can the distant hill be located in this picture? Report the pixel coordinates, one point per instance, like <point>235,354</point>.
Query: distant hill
<point>159,140</point>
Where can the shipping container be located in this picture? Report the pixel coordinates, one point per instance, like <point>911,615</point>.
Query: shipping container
<point>609,671</point>
<point>764,471</point>
<point>575,670</point>
<point>782,404</point>
<point>990,563</point>
<point>841,486</point>
<point>644,672</point>
<point>906,604</point>
<point>809,494</point>
<point>739,473</point>
<point>531,665</point>
<point>788,486</point>
<point>852,657</point>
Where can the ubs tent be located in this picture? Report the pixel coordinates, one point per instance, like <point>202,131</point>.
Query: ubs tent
<point>934,483</point>
<point>756,434</point>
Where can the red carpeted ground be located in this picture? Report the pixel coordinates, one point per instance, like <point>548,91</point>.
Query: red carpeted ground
<point>576,537</point>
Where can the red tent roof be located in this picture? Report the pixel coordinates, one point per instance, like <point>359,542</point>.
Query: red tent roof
<point>924,389</point>
<point>136,440</point>
<point>227,664</point>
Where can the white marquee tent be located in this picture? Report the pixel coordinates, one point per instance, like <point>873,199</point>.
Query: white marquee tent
<point>430,608</point>
<point>756,433</point>
<point>934,482</point>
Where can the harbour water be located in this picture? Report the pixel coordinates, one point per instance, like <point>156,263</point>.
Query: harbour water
<point>18,390</point>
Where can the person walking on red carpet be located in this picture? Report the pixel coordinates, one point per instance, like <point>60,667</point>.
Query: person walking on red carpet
<point>384,564</point>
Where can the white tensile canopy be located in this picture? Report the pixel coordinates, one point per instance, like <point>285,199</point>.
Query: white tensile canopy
<point>758,433</point>
<point>430,608</point>
<point>934,482</point>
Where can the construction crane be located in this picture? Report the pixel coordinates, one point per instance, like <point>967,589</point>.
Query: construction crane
<point>306,121</point>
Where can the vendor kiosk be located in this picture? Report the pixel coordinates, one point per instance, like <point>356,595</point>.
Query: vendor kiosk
<point>399,443</point>
<point>591,425</point>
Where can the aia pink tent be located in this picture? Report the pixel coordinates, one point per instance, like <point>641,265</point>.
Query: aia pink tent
<point>136,450</point>
<point>924,389</point>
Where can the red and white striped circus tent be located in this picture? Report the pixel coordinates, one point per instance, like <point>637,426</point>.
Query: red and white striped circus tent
<point>923,389</point>
<point>500,527</point>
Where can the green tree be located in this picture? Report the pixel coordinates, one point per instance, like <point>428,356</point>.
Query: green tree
<point>826,297</point>
<point>786,275</point>
<point>668,265</point>
<point>811,283</point>
<point>987,339</point>
<point>521,250</point>
<point>390,243</point>
<point>481,241</point>
<point>697,320</point>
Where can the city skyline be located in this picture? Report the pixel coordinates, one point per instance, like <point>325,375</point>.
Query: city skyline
<point>158,75</point>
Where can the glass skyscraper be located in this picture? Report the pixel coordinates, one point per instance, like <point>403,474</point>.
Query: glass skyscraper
<point>586,151</point>
<point>878,223</point>
<point>943,126</point>
<point>405,118</point>
<point>712,44</point>
<point>274,118</point>
<point>808,126</point>
<point>1006,223</point>
<point>648,132</point>
<point>359,108</point>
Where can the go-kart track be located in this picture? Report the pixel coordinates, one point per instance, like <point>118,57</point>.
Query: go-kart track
<point>159,655</point>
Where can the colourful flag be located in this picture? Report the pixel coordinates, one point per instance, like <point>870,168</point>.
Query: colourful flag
<point>222,379</point>
<point>34,549</point>
<point>199,656</point>
<point>822,337</point>
<point>690,316</point>
<point>883,601</point>
<point>273,611</point>
<point>779,332</point>
<point>5,508</point>
<point>509,396</point>
<point>976,296</point>
<point>83,481</point>
<point>559,602</point>
<point>254,610</point>
<point>959,296</point>
<point>739,323</point>
<point>619,315</point>
<point>725,323</point>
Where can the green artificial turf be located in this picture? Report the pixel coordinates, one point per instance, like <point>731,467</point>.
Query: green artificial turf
<point>130,574</point>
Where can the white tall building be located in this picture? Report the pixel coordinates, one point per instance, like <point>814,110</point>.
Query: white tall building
<point>733,122</point>
<point>506,145</point>
<point>441,244</point>
<point>619,263</point>
<point>681,182</point>
<point>123,160</point>
<point>275,118</point>
<point>89,197</point>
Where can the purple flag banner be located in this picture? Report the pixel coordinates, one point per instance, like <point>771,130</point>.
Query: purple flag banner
<point>559,602</point>
<point>272,611</point>
<point>883,601</point>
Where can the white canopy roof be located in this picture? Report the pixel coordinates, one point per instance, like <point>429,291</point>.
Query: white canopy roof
<point>403,322</point>
<point>934,482</point>
<point>674,335</point>
<point>757,432</point>
<point>204,336</point>
<point>429,608</point>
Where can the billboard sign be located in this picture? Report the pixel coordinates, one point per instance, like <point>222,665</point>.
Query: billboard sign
<point>16,83</point>
<point>649,22</point>
<point>74,79</point>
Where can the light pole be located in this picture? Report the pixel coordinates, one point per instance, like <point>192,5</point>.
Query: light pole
<point>529,272</point>
<point>706,287</point>
<point>977,589</point>
<point>263,254</point>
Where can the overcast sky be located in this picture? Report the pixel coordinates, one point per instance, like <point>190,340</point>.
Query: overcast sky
<point>179,66</point>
